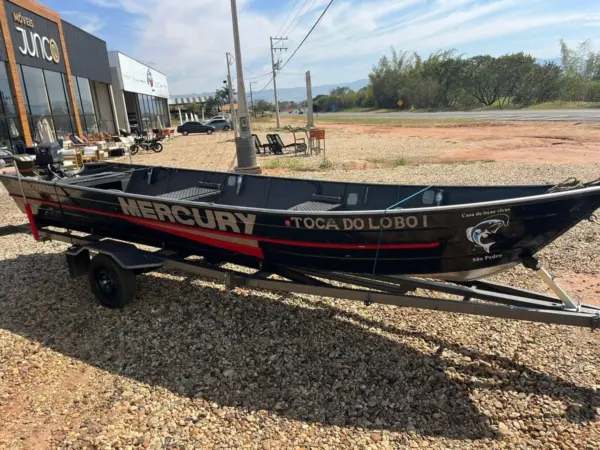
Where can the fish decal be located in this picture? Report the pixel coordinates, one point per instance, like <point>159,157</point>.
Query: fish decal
<point>479,233</point>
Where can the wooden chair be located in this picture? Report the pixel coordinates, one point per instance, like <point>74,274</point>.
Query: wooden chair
<point>76,158</point>
<point>89,158</point>
<point>316,138</point>
<point>299,143</point>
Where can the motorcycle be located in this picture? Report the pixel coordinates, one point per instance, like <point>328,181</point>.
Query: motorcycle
<point>144,143</point>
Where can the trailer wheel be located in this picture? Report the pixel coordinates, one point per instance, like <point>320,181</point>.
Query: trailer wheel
<point>112,285</point>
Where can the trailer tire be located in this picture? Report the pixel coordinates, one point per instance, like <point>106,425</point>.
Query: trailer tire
<point>113,286</point>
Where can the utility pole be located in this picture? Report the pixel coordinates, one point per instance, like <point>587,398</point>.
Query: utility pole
<point>231,102</point>
<point>309,104</point>
<point>252,100</point>
<point>275,69</point>
<point>246,152</point>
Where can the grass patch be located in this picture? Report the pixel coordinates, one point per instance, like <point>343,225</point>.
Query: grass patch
<point>377,160</point>
<point>325,164</point>
<point>275,129</point>
<point>291,164</point>
<point>565,105</point>
<point>400,161</point>
<point>472,161</point>
<point>295,164</point>
<point>262,119</point>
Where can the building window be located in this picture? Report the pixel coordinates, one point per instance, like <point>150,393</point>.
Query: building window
<point>164,112</point>
<point>59,105</point>
<point>39,114</point>
<point>10,125</point>
<point>103,107</point>
<point>85,105</point>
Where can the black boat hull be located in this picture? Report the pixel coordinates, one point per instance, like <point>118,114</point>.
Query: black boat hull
<point>463,242</point>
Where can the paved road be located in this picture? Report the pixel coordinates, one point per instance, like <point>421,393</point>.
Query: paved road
<point>564,115</point>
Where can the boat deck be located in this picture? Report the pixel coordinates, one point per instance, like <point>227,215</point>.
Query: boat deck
<point>255,191</point>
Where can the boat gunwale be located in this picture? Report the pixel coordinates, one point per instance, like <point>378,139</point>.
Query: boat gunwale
<point>286,212</point>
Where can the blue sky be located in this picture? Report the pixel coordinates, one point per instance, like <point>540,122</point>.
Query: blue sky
<point>187,39</point>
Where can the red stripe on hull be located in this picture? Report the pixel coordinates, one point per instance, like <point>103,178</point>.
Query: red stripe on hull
<point>238,248</point>
<point>152,223</point>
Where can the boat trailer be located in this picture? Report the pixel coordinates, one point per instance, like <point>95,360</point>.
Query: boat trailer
<point>112,272</point>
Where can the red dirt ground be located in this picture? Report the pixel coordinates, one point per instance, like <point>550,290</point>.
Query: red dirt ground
<point>546,142</point>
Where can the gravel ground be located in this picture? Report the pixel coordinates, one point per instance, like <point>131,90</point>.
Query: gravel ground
<point>189,365</point>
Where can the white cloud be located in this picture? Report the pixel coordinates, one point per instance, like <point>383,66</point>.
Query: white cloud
<point>188,39</point>
<point>106,3</point>
<point>92,23</point>
<point>127,5</point>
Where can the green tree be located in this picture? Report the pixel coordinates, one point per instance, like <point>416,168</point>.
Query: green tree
<point>222,95</point>
<point>321,103</point>
<point>581,69</point>
<point>447,69</point>
<point>210,106</point>
<point>389,75</point>
<point>513,70</point>
<point>542,84</point>
<point>482,79</point>
<point>262,106</point>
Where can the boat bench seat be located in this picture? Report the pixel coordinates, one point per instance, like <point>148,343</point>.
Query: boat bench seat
<point>203,190</point>
<point>319,203</point>
<point>97,178</point>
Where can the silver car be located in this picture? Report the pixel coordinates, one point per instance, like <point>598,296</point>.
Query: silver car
<point>219,124</point>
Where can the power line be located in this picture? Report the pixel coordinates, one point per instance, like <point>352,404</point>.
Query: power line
<point>306,37</point>
<point>260,75</point>
<point>265,86</point>
<point>287,17</point>
<point>302,18</point>
<point>297,14</point>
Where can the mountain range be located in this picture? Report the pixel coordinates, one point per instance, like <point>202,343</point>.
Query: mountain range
<point>296,94</point>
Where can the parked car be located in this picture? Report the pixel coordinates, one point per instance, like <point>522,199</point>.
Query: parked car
<point>218,118</point>
<point>219,124</point>
<point>195,127</point>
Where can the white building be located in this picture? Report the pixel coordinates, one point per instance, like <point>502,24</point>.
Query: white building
<point>141,94</point>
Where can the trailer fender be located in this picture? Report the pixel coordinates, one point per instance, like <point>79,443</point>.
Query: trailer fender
<point>78,261</point>
<point>126,255</point>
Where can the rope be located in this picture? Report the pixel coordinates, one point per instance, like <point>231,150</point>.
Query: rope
<point>381,222</point>
<point>567,185</point>
<point>595,182</point>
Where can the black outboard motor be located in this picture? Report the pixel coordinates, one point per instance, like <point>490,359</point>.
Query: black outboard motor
<point>48,157</point>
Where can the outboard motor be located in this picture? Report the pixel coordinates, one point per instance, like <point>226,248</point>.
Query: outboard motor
<point>48,157</point>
